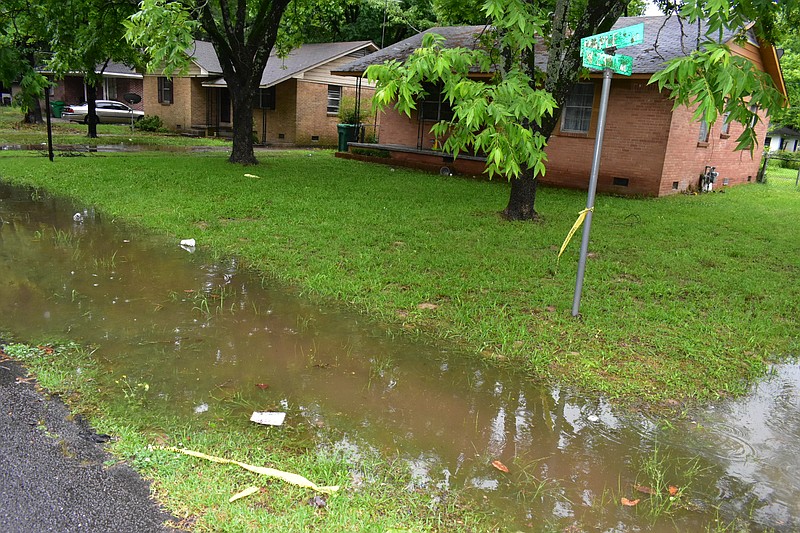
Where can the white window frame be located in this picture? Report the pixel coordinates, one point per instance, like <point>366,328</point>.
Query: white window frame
<point>334,99</point>
<point>572,106</point>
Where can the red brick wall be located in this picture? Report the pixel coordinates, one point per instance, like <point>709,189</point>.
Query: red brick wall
<point>687,158</point>
<point>397,128</point>
<point>634,143</point>
<point>645,142</point>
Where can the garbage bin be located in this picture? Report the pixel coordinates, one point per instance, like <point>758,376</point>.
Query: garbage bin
<point>57,107</point>
<point>347,133</point>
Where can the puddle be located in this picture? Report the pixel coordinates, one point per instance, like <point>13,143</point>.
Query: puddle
<point>206,335</point>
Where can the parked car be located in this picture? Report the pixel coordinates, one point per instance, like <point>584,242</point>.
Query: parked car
<point>108,111</point>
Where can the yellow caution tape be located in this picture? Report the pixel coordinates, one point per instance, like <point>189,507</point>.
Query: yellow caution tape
<point>575,226</point>
<point>244,494</point>
<point>294,479</point>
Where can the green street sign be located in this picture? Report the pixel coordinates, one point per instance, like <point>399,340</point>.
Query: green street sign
<point>599,60</point>
<point>614,39</point>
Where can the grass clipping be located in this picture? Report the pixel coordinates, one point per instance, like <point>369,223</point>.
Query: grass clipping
<point>294,479</point>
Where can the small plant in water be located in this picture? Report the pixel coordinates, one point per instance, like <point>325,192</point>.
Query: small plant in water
<point>662,484</point>
<point>134,392</point>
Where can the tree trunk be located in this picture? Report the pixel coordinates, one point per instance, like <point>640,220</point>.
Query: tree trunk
<point>523,197</point>
<point>34,114</point>
<point>91,117</point>
<point>242,102</point>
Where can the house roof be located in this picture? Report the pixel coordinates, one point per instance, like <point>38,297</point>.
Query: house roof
<point>205,57</point>
<point>784,132</point>
<point>455,36</point>
<point>302,59</point>
<point>665,38</point>
<point>112,70</point>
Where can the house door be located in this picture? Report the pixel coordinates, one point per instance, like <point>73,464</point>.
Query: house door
<point>224,105</point>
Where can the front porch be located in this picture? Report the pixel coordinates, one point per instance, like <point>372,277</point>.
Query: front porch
<point>418,158</point>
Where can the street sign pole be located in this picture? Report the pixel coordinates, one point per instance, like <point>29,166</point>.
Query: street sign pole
<point>587,225</point>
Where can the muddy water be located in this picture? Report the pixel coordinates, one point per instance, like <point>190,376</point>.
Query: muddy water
<point>211,339</point>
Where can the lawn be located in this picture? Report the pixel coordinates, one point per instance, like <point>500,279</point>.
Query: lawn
<point>14,132</point>
<point>686,298</point>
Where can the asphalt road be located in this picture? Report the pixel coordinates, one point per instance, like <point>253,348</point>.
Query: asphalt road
<point>52,476</point>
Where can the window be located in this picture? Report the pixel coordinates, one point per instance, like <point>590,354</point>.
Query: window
<point>164,90</point>
<point>266,98</point>
<point>334,98</point>
<point>754,110</point>
<point>110,88</point>
<point>577,114</point>
<point>705,130</point>
<point>726,125</point>
<point>434,105</point>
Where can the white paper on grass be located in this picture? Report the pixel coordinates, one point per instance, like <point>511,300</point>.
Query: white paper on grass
<point>268,418</point>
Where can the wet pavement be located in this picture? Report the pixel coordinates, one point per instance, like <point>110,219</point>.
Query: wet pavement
<point>53,472</point>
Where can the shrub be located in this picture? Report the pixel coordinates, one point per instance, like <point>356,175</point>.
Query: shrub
<point>150,123</point>
<point>784,159</point>
<point>347,111</point>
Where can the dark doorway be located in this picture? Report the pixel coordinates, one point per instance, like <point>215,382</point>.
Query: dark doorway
<point>224,105</point>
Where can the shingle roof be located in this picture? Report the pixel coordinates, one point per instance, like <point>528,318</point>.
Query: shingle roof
<point>301,59</point>
<point>206,57</point>
<point>665,38</point>
<point>785,132</point>
<point>455,36</point>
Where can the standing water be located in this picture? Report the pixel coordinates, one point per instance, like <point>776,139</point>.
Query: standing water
<point>201,332</point>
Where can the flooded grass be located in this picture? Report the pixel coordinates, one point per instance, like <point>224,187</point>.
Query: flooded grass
<point>687,298</point>
<point>188,345</point>
<point>373,496</point>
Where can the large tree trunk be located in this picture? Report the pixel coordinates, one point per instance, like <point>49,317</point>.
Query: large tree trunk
<point>34,114</point>
<point>523,197</point>
<point>91,117</point>
<point>243,37</point>
<point>242,101</point>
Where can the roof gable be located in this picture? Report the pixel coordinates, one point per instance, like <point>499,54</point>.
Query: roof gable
<point>297,62</point>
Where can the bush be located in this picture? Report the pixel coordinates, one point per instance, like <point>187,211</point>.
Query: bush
<point>347,111</point>
<point>150,123</point>
<point>784,159</point>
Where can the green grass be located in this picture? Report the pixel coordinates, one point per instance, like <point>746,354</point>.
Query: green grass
<point>686,298</point>
<point>372,495</point>
<point>14,132</point>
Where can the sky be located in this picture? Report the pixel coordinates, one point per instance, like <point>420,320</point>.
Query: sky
<point>652,10</point>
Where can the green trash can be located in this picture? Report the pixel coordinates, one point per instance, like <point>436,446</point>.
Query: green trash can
<point>347,133</point>
<point>57,107</point>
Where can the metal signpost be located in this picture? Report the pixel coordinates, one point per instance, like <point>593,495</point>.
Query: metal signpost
<point>598,52</point>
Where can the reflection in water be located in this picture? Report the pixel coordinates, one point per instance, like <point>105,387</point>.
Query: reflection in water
<point>210,339</point>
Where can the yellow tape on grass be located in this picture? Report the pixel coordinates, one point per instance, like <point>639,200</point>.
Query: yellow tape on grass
<point>294,479</point>
<point>581,218</point>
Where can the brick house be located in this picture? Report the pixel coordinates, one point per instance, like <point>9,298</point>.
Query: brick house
<point>298,101</point>
<point>118,80</point>
<point>649,148</point>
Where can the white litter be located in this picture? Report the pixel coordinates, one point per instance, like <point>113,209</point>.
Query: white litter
<point>188,245</point>
<point>268,418</point>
